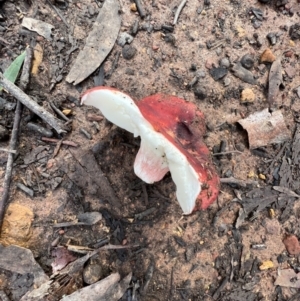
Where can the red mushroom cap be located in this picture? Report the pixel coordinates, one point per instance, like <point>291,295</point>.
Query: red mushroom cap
<point>184,126</point>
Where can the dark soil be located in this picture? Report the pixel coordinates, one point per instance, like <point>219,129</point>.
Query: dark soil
<point>210,255</point>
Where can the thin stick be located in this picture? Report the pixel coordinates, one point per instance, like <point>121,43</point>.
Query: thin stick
<point>57,148</point>
<point>178,11</point>
<point>11,151</point>
<point>242,183</point>
<point>58,111</point>
<point>31,105</point>
<point>58,12</point>
<point>65,142</point>
<point>10,160</point>
<point>227,153</point>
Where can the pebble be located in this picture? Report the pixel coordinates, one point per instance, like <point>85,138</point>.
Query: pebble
<point>133,7</point>
<point>218,51</point>
<point>272,38</point>
<point>201,74</point>
<point>128,52</point>
<point>266,265</point>
<point>240,147</point>
<point>209,63</point>
<point>247,95</point>
<point>247,61</point>
<point>224,62</point>
<point>262,176</point>
<point>129,71</point>
<point>124,38</point>
<point>200,93</point>
<point>267,56</point>
<point>227,81</point>
<point>294,31</point>
<point>169,38</point>
<point>292,244</point>
<point>193,67</point>
<point>91,10</point>
<point>218,73</point>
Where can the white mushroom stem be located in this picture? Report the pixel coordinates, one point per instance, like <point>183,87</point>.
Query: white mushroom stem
<point>157,154</point>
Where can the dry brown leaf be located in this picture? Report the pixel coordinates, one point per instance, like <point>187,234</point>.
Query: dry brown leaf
<point>265,128</point>
<point>16,229</point>
<point>288,278</point>
<point>37,58</point>
<point>98,44</point>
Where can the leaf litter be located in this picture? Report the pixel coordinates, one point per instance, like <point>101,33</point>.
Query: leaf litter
<point>99,43</point>
<point>280,196</point>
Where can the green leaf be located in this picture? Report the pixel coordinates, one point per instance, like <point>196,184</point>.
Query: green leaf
<point>11,73</point>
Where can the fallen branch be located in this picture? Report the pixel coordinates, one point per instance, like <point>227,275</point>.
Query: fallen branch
<point>10,160</point>
<point>31,105</point>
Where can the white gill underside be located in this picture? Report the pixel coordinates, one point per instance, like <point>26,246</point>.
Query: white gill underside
<point>157,154</point>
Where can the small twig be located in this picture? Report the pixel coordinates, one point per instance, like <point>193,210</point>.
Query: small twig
<point>178,11</point>
<point>145,213</point>
<point>140,8</point>
<point>57,148</point>
<point>114,65</point>
<point>24,79</point>
<point>59,112</point>
<point>242,183</point>
<point>65,142</point>
<point>220,288</point>
<point>85,133</point>
<point>9,164</point>
<point>148,277</point>
<point>25,189</point>
<point>39,129</point>
<point>31,105</point>
<point>58,12</point>
<point>11,151</point>
<point>227,153</point>
<point>171,284</point>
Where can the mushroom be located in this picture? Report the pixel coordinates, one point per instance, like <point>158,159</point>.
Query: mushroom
<point>171,132</point>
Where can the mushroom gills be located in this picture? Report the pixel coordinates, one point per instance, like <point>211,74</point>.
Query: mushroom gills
<point>157,155</point>
<point>117,107</point>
